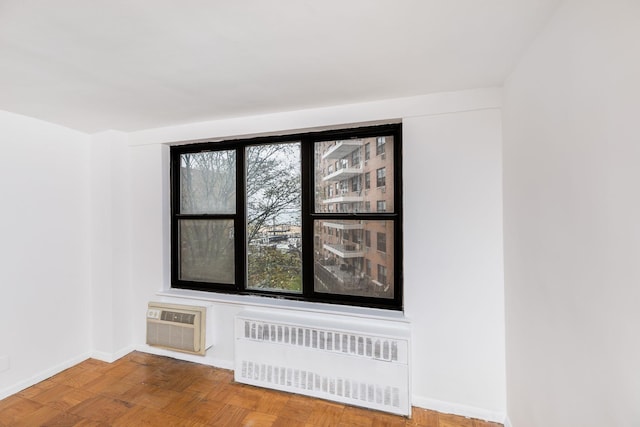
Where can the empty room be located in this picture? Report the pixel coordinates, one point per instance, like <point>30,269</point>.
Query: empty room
<point>330,213</point>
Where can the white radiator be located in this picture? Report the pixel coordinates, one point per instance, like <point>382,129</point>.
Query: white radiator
<point>359,362</point>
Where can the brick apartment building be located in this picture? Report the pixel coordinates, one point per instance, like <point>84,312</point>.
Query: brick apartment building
<point>355,257</point>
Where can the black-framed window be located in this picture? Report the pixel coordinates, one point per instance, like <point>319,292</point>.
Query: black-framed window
<point>276,216</point>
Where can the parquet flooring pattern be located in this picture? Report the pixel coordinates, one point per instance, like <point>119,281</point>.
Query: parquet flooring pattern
<point>147,390</point>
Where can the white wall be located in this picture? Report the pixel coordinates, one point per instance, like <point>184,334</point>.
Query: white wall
<point>571,214</point>
<point>453,241</point>
<point>44,249</point>
<point>110,245</point>
<point>453,260</point>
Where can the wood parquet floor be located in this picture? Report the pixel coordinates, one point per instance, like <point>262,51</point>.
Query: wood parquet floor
<point>147,390</point>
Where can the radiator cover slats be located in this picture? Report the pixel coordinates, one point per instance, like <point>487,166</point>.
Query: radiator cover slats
<point>333,359</point>
<point>372,347</point>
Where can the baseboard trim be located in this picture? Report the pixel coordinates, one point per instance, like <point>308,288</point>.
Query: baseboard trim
<point>203,360</point>
<point>41,376</point>
<point>111,357</point>
<point>458,409</point>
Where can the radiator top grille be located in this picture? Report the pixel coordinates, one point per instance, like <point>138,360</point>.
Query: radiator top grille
<point>319,339</point>
<point>176,317</point>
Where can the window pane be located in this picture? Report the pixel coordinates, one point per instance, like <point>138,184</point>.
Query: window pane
<point>208,182</point>
<point>344,171</point>
<point>274,253</point>
<point>344,256</point>
<point>207,251</point>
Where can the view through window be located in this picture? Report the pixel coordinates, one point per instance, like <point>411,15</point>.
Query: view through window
<point>296,217</point>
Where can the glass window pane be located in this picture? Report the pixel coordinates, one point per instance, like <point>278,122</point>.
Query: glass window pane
<point>345,261</point>
<point>274,252</point>
<point>348,179</point>
<point>208,182</point>
<point>207,251</point>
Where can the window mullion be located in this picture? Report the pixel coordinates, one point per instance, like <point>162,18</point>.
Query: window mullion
<point>241,220</point>
<point>307,220</point>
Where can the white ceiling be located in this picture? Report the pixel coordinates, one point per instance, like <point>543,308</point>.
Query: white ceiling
<point>95,65</point>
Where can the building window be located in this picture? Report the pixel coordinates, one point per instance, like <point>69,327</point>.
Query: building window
<point>382,274</point>
<point>367,151</point>
<point>355,183</point>
<point>381,177</point>
<point>261,216</point>
<point>382,242</point>
<point>380,144</point>
<point>355,158</point>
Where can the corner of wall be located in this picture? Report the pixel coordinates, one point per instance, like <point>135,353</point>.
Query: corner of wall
<point>458,409</point>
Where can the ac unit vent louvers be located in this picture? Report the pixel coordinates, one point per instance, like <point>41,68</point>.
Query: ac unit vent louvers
<point>172,316</point>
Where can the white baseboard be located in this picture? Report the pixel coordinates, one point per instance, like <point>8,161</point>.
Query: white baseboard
<point>41,376</point>
<point>458,409</point>
<point>203,360</point>
<point>111,357</point>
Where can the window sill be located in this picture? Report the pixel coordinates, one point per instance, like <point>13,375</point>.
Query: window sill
<point>285,304</point>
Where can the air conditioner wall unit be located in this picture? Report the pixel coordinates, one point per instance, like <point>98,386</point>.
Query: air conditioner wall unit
<point>179,327</point>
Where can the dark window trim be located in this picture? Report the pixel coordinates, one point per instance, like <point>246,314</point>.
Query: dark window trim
<point>307,141</point>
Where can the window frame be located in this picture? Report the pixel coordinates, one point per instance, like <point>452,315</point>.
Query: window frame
<point>309,215</point>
